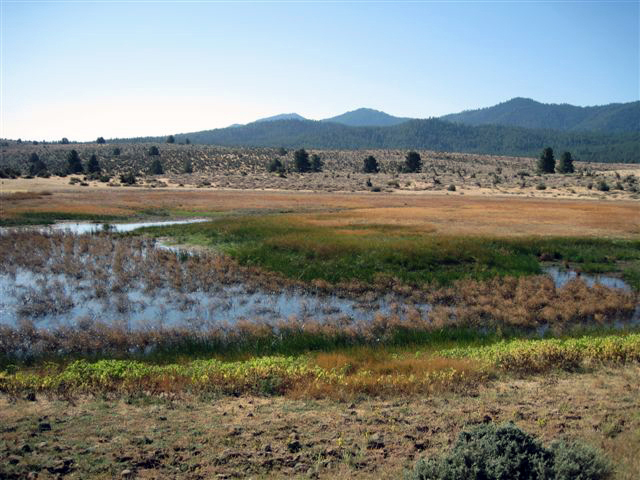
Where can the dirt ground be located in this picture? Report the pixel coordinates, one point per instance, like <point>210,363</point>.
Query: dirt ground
<point>258,437</point>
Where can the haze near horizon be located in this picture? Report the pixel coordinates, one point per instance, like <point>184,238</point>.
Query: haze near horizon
<point>135,69</point>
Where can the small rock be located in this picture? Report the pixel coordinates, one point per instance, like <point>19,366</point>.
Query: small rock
<point>294,446</point>
<point>125,473</point>
<point>375,441</point>
<point>267,448</point>
<point>420,446</point>
<point>44,426</point>
<point>41,444</point>
<point>162,419</point>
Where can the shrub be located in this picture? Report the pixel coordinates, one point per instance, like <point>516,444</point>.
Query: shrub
<point>187,167</point>
<point>128,178</point>
<point>116,151</point>
<point>171,139</point>
<point>603,186</point>
<point>101,140</point>
<point>8,172</point>
<point>491,452</point>
<point>37,167</point>
<point>64,141</point>
<point>541,186</point>
<point>275,166</point>
<point>154,151</point>
<point>574,461</point>
<point>316,163</point>
<point>451,188</point>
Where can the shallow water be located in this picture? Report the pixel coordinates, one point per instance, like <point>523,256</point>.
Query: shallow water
<point>70,301</point>
<point>55,299</point>
<point>562,276</point>
<point>79,228</point>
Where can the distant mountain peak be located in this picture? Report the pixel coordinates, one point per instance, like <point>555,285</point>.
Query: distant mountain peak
<point>282,116</point>
<point>366,117</point>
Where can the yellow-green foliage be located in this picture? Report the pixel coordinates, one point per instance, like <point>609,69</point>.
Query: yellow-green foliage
<point>545,354</point>
<point>372,372</point>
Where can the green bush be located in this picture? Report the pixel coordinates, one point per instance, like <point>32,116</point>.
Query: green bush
<point>492,451</point>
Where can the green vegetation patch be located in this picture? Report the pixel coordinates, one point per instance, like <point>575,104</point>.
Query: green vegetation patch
<point>283,244</point>
<point>281,374</point>
<point>527,355</point>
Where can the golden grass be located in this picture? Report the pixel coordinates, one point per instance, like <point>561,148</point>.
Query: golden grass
<point>423,213</point>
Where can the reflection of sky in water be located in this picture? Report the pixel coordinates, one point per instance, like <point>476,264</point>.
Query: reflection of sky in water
<point>561,276</point>
<point>167,307</point>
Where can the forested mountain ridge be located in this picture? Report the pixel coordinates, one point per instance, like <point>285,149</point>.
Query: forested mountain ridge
<point>527,113</point>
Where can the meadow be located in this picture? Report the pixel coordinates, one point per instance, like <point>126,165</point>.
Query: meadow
<point>418,313</point>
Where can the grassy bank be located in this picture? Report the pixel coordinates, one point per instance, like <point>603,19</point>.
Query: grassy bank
<point>370,370</point>
<point>373,253</point>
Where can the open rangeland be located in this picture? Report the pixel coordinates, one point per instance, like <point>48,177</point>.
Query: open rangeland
<point>317,333</point>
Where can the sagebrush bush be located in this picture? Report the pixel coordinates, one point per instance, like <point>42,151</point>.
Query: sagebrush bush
<point>492,451</point>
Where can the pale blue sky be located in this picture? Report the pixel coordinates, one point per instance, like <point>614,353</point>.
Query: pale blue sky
<point>87,69</point>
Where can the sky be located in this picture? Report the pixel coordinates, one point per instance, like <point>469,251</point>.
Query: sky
<point>83,69</point>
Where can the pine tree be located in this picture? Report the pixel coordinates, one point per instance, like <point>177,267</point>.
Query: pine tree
<point>74,164</point>
<point>93,166</point>
<point>412,162</point>
<point>546,162</point>
<point>565,165</point>
<point>370,165</point>
<point>156,167</point>
<point>301,161</point>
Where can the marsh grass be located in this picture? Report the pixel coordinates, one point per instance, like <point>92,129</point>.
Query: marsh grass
<point>293,247</point>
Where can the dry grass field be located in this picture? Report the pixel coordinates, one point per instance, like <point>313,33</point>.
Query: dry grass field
<point>438,213</point>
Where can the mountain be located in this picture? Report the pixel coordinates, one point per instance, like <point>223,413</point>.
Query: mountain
<point>366,117</point>
<point>282,116</point>
<point>527,113</point>
<point>430,134</point>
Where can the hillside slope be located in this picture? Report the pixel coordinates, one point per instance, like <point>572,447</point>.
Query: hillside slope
<point>527,113</point>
